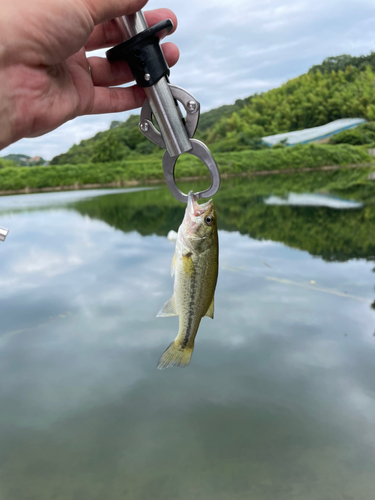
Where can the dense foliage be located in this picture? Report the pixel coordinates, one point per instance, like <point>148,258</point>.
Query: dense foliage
<point>121,141</point>
<point>308,101</point>
<point>144,168</point>
<point>363,134</point>
<point>209,118</point>
<point>340,87</point>
<point>340,63</point>
<point>5,163</point>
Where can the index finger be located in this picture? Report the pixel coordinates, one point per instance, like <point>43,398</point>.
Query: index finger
<point>104,10</point>
<point>108,33</point>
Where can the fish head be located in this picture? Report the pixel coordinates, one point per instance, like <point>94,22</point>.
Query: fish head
<point>200,220</point>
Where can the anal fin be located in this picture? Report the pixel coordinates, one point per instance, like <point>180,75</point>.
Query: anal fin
<point>168,309</point>
<point>210,311</point>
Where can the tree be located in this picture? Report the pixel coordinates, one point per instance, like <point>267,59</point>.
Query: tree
<point>107,149</point>
<point>114,124</point>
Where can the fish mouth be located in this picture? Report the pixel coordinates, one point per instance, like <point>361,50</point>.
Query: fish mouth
<point>193,206</point>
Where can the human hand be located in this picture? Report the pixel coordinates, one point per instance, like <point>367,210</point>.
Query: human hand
<point>44,73</point>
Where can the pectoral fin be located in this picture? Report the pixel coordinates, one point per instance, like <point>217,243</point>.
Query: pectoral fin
<point>168,309</point>
<point>210,312</point>
<point>188,263</point>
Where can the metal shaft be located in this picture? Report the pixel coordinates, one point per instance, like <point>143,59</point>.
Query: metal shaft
<point>162,103</point>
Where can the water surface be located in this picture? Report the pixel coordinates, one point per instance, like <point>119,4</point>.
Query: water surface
<point>278,401</point>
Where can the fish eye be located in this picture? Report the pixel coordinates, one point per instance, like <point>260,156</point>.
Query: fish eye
<point>208,220</point>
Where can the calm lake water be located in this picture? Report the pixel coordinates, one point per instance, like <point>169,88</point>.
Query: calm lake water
<point>278,402</point>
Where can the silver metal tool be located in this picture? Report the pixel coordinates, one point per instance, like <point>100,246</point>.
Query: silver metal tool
<point>3,233</point>
<point>176,133</point>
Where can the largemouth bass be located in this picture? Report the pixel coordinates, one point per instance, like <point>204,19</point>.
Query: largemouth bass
<point>195,270</point>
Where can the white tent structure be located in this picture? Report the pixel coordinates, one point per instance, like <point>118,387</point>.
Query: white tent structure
<point>315,133</point>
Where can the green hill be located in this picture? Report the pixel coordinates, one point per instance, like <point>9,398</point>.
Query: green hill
<point>340,87</point>
<point>310,100</point>
<point>22,160</point>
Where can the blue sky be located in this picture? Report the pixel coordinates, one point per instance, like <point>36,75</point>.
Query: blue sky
<point>230,50</point>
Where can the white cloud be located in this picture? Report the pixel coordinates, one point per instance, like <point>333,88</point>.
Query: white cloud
<point>230,50</point>
<point>46,263</point>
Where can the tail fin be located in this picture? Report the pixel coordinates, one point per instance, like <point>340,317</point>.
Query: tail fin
<point>175,355</point>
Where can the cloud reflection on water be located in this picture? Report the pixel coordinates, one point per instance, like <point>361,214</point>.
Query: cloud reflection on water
<point>277,403</point>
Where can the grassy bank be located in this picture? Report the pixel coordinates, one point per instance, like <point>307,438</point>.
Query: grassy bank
<point>149,168</point>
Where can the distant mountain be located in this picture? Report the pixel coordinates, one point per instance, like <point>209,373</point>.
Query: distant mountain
<point>340,87</point>
<point>25,160</point>
<point>21,160</point>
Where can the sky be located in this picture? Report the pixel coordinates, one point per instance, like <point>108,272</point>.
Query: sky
<point>230,50</point>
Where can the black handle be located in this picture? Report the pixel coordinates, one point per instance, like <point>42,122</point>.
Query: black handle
<point>143,54</point>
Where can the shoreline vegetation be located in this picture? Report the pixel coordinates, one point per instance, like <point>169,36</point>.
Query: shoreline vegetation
<point>148,170</point>
<point>146,182</point>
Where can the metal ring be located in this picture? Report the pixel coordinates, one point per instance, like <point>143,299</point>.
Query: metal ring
<point>201,151</point>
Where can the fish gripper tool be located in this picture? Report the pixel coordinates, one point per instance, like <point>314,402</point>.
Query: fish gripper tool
<point>141,50</point>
